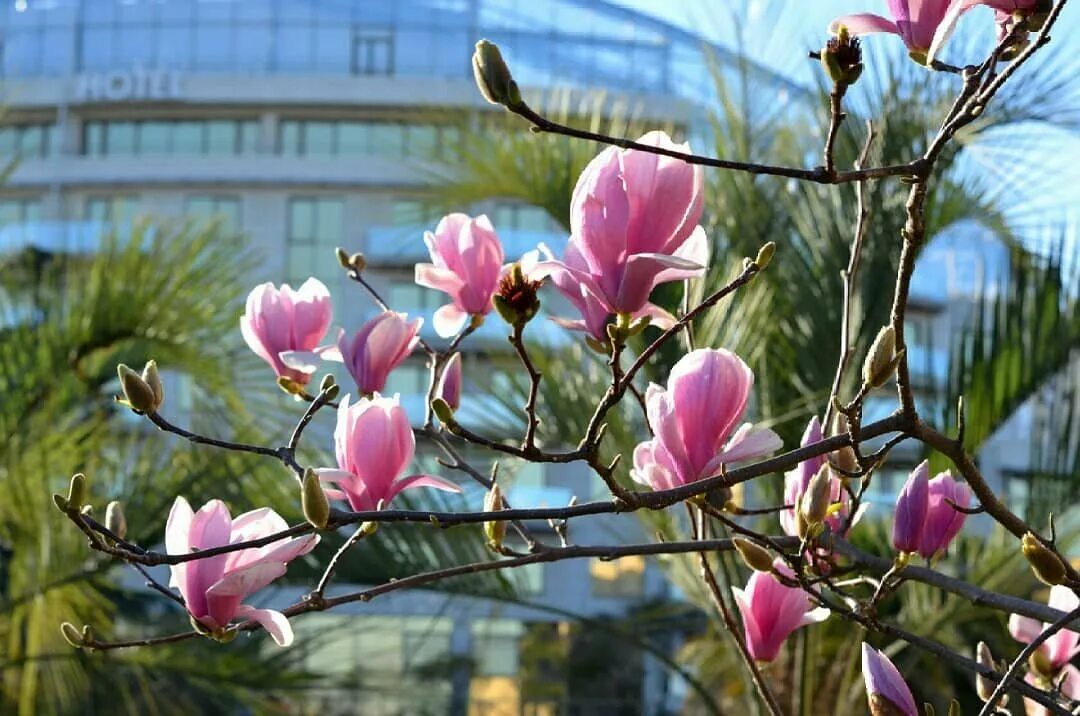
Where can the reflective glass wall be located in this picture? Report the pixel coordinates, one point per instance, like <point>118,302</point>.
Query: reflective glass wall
<point>568,42</point>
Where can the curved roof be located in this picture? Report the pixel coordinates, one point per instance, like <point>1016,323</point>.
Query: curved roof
<point>564,42</point>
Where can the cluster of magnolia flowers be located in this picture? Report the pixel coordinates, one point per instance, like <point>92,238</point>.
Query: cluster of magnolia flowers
<point>635,224</point>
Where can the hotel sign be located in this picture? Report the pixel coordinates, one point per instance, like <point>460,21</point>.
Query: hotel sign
<point>134,85</point>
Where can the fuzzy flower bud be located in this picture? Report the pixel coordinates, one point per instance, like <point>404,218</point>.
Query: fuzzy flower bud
<point>815,502</point>
<point>138,395</point>
<point>115,521</point>
<point>77,492</point>
<point>844,458</point>
<point>882,359</point>
<point>755,556</point>
<point>151,378</point>
<point>765,255</point>
<point>983,685</point>
<point>313,500</point>
<point>71,635</point>
<point>493,76</point>
<point>1044,563</point>
<point>495,531</point>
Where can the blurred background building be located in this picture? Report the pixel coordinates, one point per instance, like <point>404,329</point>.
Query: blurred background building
<point>309,125</point>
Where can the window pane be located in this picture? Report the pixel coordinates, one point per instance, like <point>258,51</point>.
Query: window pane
<point>329,222</point>
<point>422,141</point>
<point>187,138</point>
<point>249,137</point>
<point>221,137</point>
<point>301,221</point>
<point>318,138</point>
<point>93,139</point>
<point>353,138</point>
<point>388,140</point>
<point>154,138</point>
<point>120,137</point>
<point>290,137</point>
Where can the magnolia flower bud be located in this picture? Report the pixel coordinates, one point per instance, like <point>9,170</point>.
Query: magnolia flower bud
<point>327,383</point>
<point>114,519</point>
<point>290,386</point>
<point>765,255</point>
<point>443,412</point>
<point>342,257</point>
<point>1041,665</point>
<point>984,686</point>
<point>755,556</point>
<point>815,502</point>
<point>881,359</point>
<point>844,458</point>
<point>152,379</point>
<point>1046,565</point>
<point>493,76</point>
<point>138,395</point>
<point>313,500</point>
<point>71,635</point>
<point>842,58</point>
<point>77,492</point>
<point>495,531</point>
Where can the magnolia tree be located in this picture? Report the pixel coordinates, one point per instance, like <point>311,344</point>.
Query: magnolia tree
<point>634,218</point>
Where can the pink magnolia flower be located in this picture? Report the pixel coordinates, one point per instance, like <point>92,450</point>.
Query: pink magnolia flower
<point>450,382</point>
<point>943,521</point>
<point>911,508</point>
<point>374,444</point>
<point>771,611</point>
<point>467,261</point>
<point>214,587</point>
<point>377,348</point>
<point>694,420</point>
<point>883,681</point>
<point>277,321</point>
<point>1068,678</point>
<point>1004,14</point>
<point>796,481</point>
<point>634,225</point>
<point>917,22</point>
<point>1062,646</point>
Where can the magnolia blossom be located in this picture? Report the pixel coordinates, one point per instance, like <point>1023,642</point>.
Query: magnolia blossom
<point>450,382</point>
<point>214,588</point>
<point>374,445</point>
<point>467,261</point>
<point>884,683</point>
<point>278,321</point>
<point>377,348</point>
<point>771,611</point>
<point>911,507</point>
<point>943,521</point>
<point>634,225</point>
<point>917,22</point>
<point>1060,648</point>
<point>1004,12</point>
<point>1069,680</point>
<point>796,481</point>
<point>694,420</point>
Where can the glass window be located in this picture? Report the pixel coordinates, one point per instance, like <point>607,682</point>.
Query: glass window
<point>120,138</point>
<point>18,211</point>
<point>624,577</point>
<point>315,230</point>
<point>117,209</point>
<point>422,141</point>
<point>224,208</point>
<point>353,138</point>
<point>496,646</point>
<point>9,139</point>
<point>290,137</point>
<point>410,379</point>
<point>94,139</point>
<point>188,138</point>
<point>373,53</point>
<point>153,137</point>
<point>388,139</point>
<point>249,137</point>
<point>221,137</point>
<point>318,138</point>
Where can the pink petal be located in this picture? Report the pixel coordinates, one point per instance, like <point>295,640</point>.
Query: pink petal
<point>449,320</point>
<point>413,481</point>
<point>864,24</point>
<point>275,623</point>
